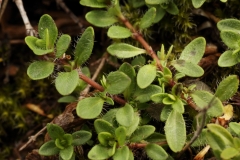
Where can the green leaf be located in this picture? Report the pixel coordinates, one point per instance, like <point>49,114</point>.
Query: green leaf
<point>66,82</point>
<point>231,39</point>
<point>178,106</point>
<point>227,59</point>
<point>148,18</point>
<point>84,46</point>
<point>130,72</point>
<point>120,134</point>
<point>227,87</point>
<point>229,153</point>
<point>82,84</point>
<point>235,127</point>
<point>118,32</point>
<point>48,149</point>
<point>156,152</point>
<point>198,3</point>
<point>134,125</point>
<point>105,138</point>
<point>99,152</point>
<point>110,115</point>
<point>229,24</point>
<point>144,95</point>
<point>81,137</point>
<point>175,130</point>
<point>172,8</point>
<point>117,82</point>
<point>46,23</point>
<point>62,45</point>
<point>194,51</point>
<point>36,45</point>
<point>137,3</point>
<point>66,153</point>
<point>146,75</point>
<point>158,98</point>
<point>103,126</point>
<point>55,131</point>
<point>165,112</point>
<point>156,137</point>
<point>123,50</point>
<point>188,68</point>
<point>160,12</point>
<point>90,107</point>
<point>153,2</point>
<point>67,99</point>
<point>93,3</point>
<point>100,18</point>
<point>203,98</point>
<point>121,153</point>
<point>138,61</point>
<point>124,115</point>
<point>40,69</point>
<point>142,132</point>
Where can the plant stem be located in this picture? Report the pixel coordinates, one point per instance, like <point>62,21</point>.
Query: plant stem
<point>143,145</point>
<point>140,39</point>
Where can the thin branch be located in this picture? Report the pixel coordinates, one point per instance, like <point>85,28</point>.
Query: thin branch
<point>67,10</point>
<point>29,29</point>
<point>141,40</point>
<point>3,6</point>
<point>203,114</point>
<point>143,145</point>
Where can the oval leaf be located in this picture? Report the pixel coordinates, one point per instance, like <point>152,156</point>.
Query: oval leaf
<point>62,45</point>
<point>156,152</point>
<point>198,3</point>
<point>229,24</point>
<point>40,69</point>
<point>101,125</point>
<point>229,153</point>
<point>227,59</point>
<point>121,153</point>
<point>93,3</point>
<point>125,115</point>
<point>188,68</point>
<point>123,50</point>
<point>67,152</point>
<point>227,87</point>
<point>194,51</point>
<point>175,130</point>
<point>117,82</point>
<point>55,131</point>
<point>47,23</point>
<point>120,134</point>
<point>203,98</point>
<point>99,152</point>
<point>142,132</point>
<point>48,149</point>
<point>172,8</point>
<point>231,39</point>
<point>81,137</point>
<point>66,82</point>
<point>100,18</point>
<point>84,46</point>
<point>148,18</point>
<point>89,108</point>
<point>144,95</point>
<point>146,75</point>
<point>118,32</point>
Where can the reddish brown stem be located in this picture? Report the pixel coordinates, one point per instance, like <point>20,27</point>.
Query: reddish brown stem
<point>141,40</point>
<point>100,88</point>
<point>143,145</point>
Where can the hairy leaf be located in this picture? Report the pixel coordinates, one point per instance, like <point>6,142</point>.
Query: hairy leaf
<point>123,50</point>
<point>49,148</point>
<point>231,39</point>
<point>62,45</point>
<point>142,132</point>
<point>117,82</point>
<point>125,115</point>
<point>172,8</point>
<point>188,68</point>
<point>146,75</point>
<point>103,126</point>
<point>67,152</point>
<point>194,51</point>
<point>175,130</point>
<point>144,95</point>
<point>156,152</point>
<point>81,137</point>
<point>227,59</point>
<point>66,82</point>
<point>93,3</point>
<point>120,134</point>
<point>198,3</point>
<point>100,18</point>
<point>148,18</point>
<point>229,153</point>
<point>84,46</point>
<point>121,153</point>
<point>229,25</point>
<point>227,87</point>
<point>55,131</point>
<point>99,152</point>
<point>90,107</point>
<point>40,69</point>
<point>118,32</point>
